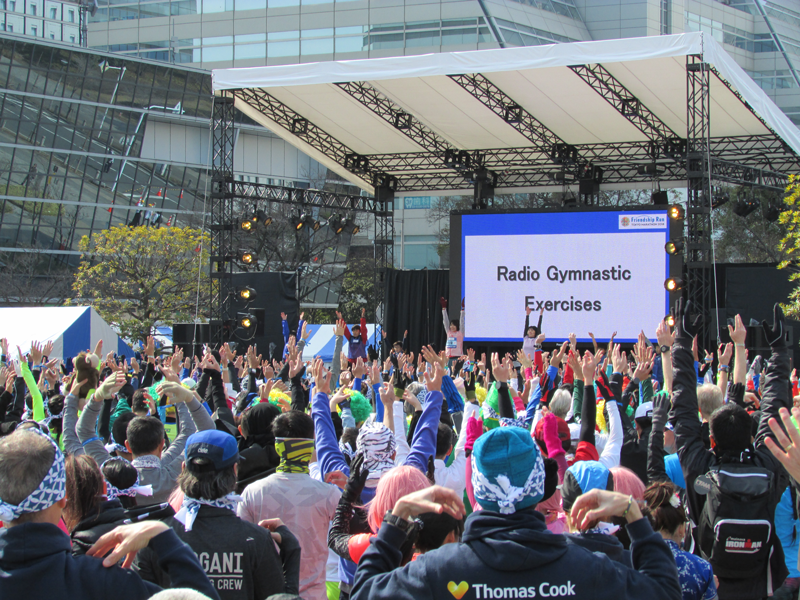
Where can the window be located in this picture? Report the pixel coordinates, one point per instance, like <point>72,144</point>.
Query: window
<point>12,6</point>
<point>33,9</point>
<point>72,39</point>
<point>53,13</point>
<point>71,16</point>
<point>34,31</point>
<point>10,28</point>
<point>52,36</point>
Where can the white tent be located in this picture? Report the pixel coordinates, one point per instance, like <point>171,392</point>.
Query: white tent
<point>72,329</point>
<point>508,108</point>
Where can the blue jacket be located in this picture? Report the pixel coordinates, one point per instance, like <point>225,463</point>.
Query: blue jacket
<point>515,556</point>
<point>36,563</point>
<point>788,530</point>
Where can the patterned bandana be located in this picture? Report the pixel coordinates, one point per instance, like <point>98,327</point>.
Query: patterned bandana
<point>376,442</point>
<point>506,495</point>
<point>295,454</point>
<point>148,461</point>
<point>113,492</point>
<point>50,490</point>
<point>347,449</point>
<point>191,506</point>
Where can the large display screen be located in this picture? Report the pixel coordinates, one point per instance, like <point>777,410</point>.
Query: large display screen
<point>591,271</point>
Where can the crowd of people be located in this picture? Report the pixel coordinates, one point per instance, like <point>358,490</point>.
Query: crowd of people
<point>653,471</point>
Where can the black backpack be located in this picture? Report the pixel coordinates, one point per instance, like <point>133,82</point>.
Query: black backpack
<point>735,526</point>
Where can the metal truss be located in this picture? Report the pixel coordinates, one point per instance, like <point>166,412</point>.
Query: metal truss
<point>699,280</point>
<point>626,104</point>
<point>305,130</point>
<point>221,224</point>
<point>311,198</point>
<point>401,120</point>
<point>731,172</point>
<point>507,109</point>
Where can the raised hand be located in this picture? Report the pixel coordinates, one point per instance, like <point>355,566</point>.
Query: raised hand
<point>359,369</point>
<point>36,353</point>
<point>433,381</point>
<point>588,367</point>
<point>500,369</point>
<point>739,332</point>
<point>686,323</point>
<point>774,333</point>
<point>664,335</point>
<point>558,355</point>
<point>322,377</point>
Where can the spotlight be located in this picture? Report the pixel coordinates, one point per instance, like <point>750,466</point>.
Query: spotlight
<point>246,294</point>
<point>303,220</point>
<point>247,257</point>
<point>745,207</point>
<point>247,321</point>
<point>337,223</point>
<point>676,212</point>
<point>669,320</point>
<point>674,247</point>
<point>673,284</point>
<point>315,225</point>
<point>720,198</point>
<point>247,225</point>
<point>263,218</point>
<point>773,213</point>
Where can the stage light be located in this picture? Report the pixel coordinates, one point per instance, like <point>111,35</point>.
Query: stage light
<point>247,225</point>
<point>303,220</point>
<point>773,213</point>
<point>719,198</point>
<point>673,247</point>
<point>262,218</point>
<point>676,212</point>
<point>659,198</point>
<point>246,294</point>
<point>315,225</point>
<point>337,223</point>
<point>669,320</point>
<point>247,257</point>
<point>673,284</point>
<point>247,321</point>
<point>745,207</point>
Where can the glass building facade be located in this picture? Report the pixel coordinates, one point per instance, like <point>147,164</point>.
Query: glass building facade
<point>72,127</point>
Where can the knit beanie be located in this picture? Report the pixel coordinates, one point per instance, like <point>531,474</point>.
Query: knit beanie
<point>508,472</point>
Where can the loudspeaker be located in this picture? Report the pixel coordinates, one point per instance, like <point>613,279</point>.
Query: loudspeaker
<point>184,334</point>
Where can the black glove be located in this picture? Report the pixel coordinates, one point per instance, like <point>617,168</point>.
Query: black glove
<point>686,324</point>
<point>431,469</point>
<point>372,354</point>
<point>357,480</point>
<point>550,478</point>
<point>775,333</point>
<point>661,406</point>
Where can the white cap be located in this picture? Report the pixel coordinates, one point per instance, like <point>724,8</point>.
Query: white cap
<point>644,411</point>
<point>189,383</point>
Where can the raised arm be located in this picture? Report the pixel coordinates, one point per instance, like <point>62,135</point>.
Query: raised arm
<point>775,384</point>
<point>688,435</point>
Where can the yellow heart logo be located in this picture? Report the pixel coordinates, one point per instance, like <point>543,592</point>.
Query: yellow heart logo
<point>459,590</point>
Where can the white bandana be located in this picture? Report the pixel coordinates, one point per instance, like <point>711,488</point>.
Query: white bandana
<point>191,506</point>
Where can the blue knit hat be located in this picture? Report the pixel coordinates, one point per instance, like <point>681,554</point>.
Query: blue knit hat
<point>507,470</point>
<point>583,477</point>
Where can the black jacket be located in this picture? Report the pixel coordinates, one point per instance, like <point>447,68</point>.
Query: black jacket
<point>515,556</point>
<point>696,460</point>
<point>36,563</point>
<point>602,543</point>
<point>238,557</point>
<point>98,523</point>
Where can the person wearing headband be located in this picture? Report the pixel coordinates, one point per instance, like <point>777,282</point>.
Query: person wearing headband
<point>306,505</point>
<point>35,555</point>
<point>239,557</point>
<point>506,550</point>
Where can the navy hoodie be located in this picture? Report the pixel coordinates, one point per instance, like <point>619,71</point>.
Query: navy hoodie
<point>36,564</point>
<point>515,556</point>
<point>602,543</point>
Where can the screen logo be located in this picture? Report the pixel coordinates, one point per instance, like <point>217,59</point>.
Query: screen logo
<point>643,221</point>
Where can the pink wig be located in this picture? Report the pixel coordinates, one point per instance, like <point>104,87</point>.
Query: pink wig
<point>393,485</point>
<point>627,482</point>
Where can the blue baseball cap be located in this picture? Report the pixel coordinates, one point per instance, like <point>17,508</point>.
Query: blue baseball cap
<point>216,446</point>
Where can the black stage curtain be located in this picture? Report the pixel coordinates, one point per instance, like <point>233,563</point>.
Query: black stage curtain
<point>412,303</point>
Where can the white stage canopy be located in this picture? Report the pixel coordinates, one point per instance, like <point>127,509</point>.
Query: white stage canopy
<point>427,122</point>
